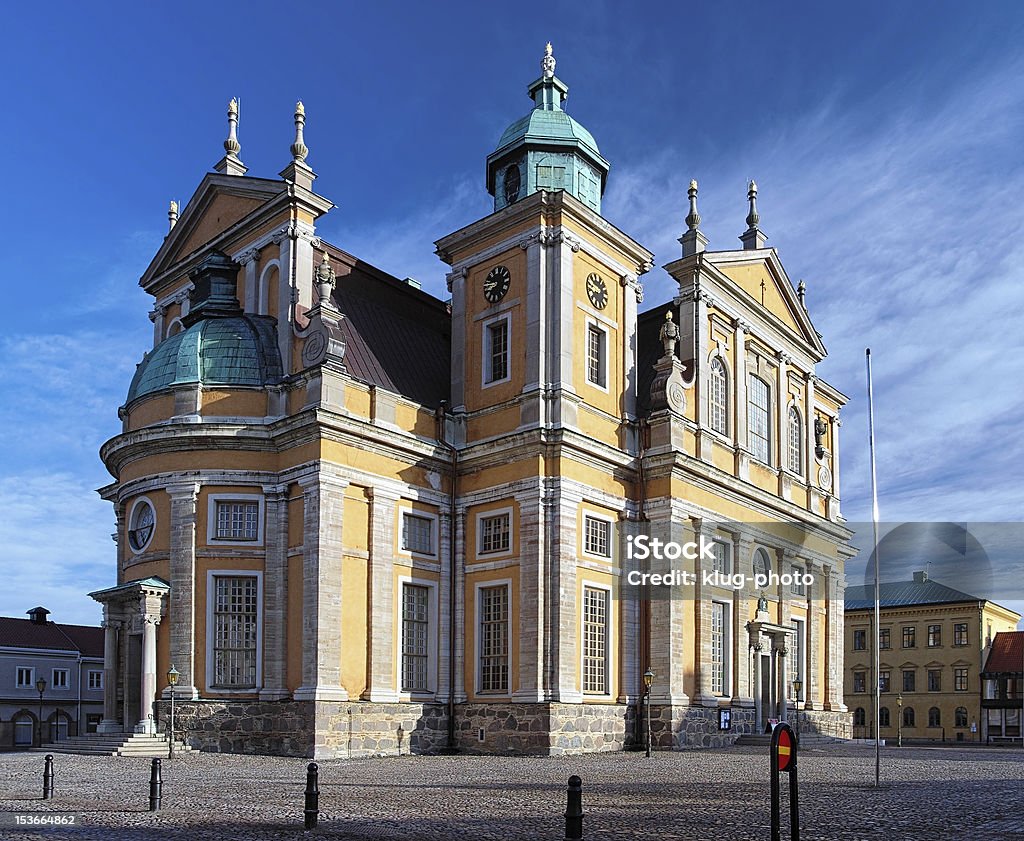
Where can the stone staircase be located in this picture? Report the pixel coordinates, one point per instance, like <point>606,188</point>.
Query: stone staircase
<point>113,744</point>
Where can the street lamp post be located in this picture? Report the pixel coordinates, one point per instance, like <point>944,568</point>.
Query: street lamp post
<point>899,720</point>
<point>40,688</point>
<point>648,680</point>
<point>172,680</point>
<point>798,686</point>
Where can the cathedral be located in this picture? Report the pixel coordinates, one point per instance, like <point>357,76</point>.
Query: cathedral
<point>354,519</point>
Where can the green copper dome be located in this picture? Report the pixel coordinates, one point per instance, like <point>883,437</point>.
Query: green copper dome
<point>555,127</point>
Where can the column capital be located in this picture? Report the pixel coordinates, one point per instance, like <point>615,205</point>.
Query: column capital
<point>183,490</point>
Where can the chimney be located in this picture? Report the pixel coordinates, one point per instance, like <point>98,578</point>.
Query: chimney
<point>38,615</point>
<point>920,576</point>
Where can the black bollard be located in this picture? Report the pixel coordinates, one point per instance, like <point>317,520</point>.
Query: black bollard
<point>156,785</point>
<point>312,810</point>
<point>574,810</point>
<point>48,777</point>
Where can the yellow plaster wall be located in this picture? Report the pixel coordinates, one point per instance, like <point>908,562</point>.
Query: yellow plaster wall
<point>150,410</point>
<point>224,211</point>
<point>234,403</point>
<point>294,623</point>
<point>610,399</point>
<point>493,423</point>
<point>354,576</point>
<point>748,276</point>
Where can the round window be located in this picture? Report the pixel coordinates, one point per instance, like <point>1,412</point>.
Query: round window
<point>140,525</point>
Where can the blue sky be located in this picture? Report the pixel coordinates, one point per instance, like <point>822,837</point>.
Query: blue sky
<point>885,138</point>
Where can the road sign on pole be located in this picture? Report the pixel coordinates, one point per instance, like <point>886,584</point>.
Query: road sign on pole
<point>784,750</point>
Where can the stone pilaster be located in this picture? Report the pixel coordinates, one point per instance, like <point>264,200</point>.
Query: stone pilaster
<point>629,639</point>
<point>383,679</point>
<point>564,653</point>
<point>815,619</point>
<point>739,395</point>
<point>457,287</point>
<point>667,616</point>
<point>444,612</point>
<point>810,471</point>
<point>535,511</point>
<point>702,648</point>
<point>275,595</point>
<point>460,605</point>
<point>746,686</point>
<point>183,498</point>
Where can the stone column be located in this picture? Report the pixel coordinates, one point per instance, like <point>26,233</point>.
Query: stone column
<point>182,596</point>
<point>148,689</point>
<point>249,259</point>
<point>324,505</point>
<point>120,538</point>
<point>110,724</point>
<point>755,652</point>
<point>275,594</point>
<point>780,650</point>
<point>382,675</point>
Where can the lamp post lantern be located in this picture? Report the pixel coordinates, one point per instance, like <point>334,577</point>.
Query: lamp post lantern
<point>648,680</point>
<point>899,720</point>
<point>40,688</point>
<point>798,686</point>
<point>172,680</point>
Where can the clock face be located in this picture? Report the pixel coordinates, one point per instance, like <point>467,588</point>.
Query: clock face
<point>597,290</point>
<point>496,284</point>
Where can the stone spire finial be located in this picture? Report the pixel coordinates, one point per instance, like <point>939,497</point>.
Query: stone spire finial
<point>693,241</point>
<point>299,149</point>
<point>547,64</point>
<point>325,279</point>
<point>801,292</point>
<point>753,237</point>
<point>231,164</point>
<point>172,215</point>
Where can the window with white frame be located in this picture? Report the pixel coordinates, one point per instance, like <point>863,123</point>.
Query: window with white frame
<point>235,630</point>
<point>59,679</point>
<point>720,648</point>
<point>758,414</point>
<point>141,522</point>
<point>595,640</point>
<point>722,563</point>
<point>597,536</point>
<point>495,532</point>
<point>795,430</point>
<point>796,656</point>
<point>597,356</point>
<point>25,677</point>
<point>797,587</point>
<point>95,679</point>
<point>718,397</point>
<point>762,563</point>
<point>496,350</point>
<point>494,638</point>
<point>237,519</point>
<point>415,637</point>
<point>418,534</point>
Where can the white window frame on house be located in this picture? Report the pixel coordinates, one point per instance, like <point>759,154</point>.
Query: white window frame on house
<point>761,552</point>
<point>797,656</point>
<point>759,420</point>
<point>493,514</point>
<point>60,679</point>
<point>723,557</point>
<point>488,351</point>
<point>133,547</point>
<point>597,355</point>
<point>601,662</point>
<point>721,648</point>
<point>797,588</point>
<point>794,439</point>
<point>598,518</point>
<point>94,679</point>
<point>431,639</point>
<point>417,514</point>
<point>211,630</point>
<point>718,395</point>
<point>480,586</point>
<point>213,509</point>
<point>19,672</point>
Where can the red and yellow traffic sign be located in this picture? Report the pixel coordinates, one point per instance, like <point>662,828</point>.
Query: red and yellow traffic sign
<point>785,749</point>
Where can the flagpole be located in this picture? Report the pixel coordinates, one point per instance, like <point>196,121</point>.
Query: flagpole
<point>876,650</point>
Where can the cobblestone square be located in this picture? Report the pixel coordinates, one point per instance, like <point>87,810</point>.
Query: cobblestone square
<point>927,794</point>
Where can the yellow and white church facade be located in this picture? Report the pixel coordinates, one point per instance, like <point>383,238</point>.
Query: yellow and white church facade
<point>357,519</point>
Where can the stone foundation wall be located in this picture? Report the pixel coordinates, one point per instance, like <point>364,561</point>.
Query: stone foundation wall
<point>543,729</point>
<point>838,725</point>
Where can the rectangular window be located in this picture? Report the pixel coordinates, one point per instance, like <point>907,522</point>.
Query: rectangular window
<point>550,177</point>
<point>721,563</point>
<point>934,636</point>
<point>885,638</point>
<point>26,678</point>
<point>935,680</point>
<point>960,633</point>
<point>238,520</point>
<point>758,413</point>
<point>494,639</point>
<point>860,682</point>
<point>597,350</point>
<point>960,679</point>
<point>597,536</point>
<point>95,679</point>
<point>415,635</point>
<point>797,587</point>
<point>588,190</point>
<point>417,534</point>
<point>909,636</point>
<point>719,648</point>
<point>883,681</point>
<point>59,679</point>
<point>495,533</point>
<point>235,615</point>
<point>595,640</point>
<point>860,640</point>
<point>496,351</point>
<point>909,680</point>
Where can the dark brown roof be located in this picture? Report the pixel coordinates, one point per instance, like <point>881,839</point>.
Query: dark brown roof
<point>1007,653</point>
<point>23,633</point>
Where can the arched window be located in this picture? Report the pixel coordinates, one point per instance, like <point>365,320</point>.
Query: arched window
<point>883,717</point>
<point>718,397</point>
<point>908,717</point>
<point>795,456</point>
<point>762,563</point>
<point>858,717</point>
<point>934,717</point>
<point>173,328</point>
<point>758,414</point>
<point>961,716</point>
<point>24,729</point>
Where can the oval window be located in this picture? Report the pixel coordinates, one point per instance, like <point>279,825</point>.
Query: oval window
<point>140,525</point>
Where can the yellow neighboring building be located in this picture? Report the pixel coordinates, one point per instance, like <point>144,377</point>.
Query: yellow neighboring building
<point>357,519</point>
<point>934,641</point>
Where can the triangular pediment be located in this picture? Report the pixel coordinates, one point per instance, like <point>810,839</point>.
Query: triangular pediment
<point>218,204</point>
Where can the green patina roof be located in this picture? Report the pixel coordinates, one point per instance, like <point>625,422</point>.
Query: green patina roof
<point>542,125</point>
<point>234,351</point>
